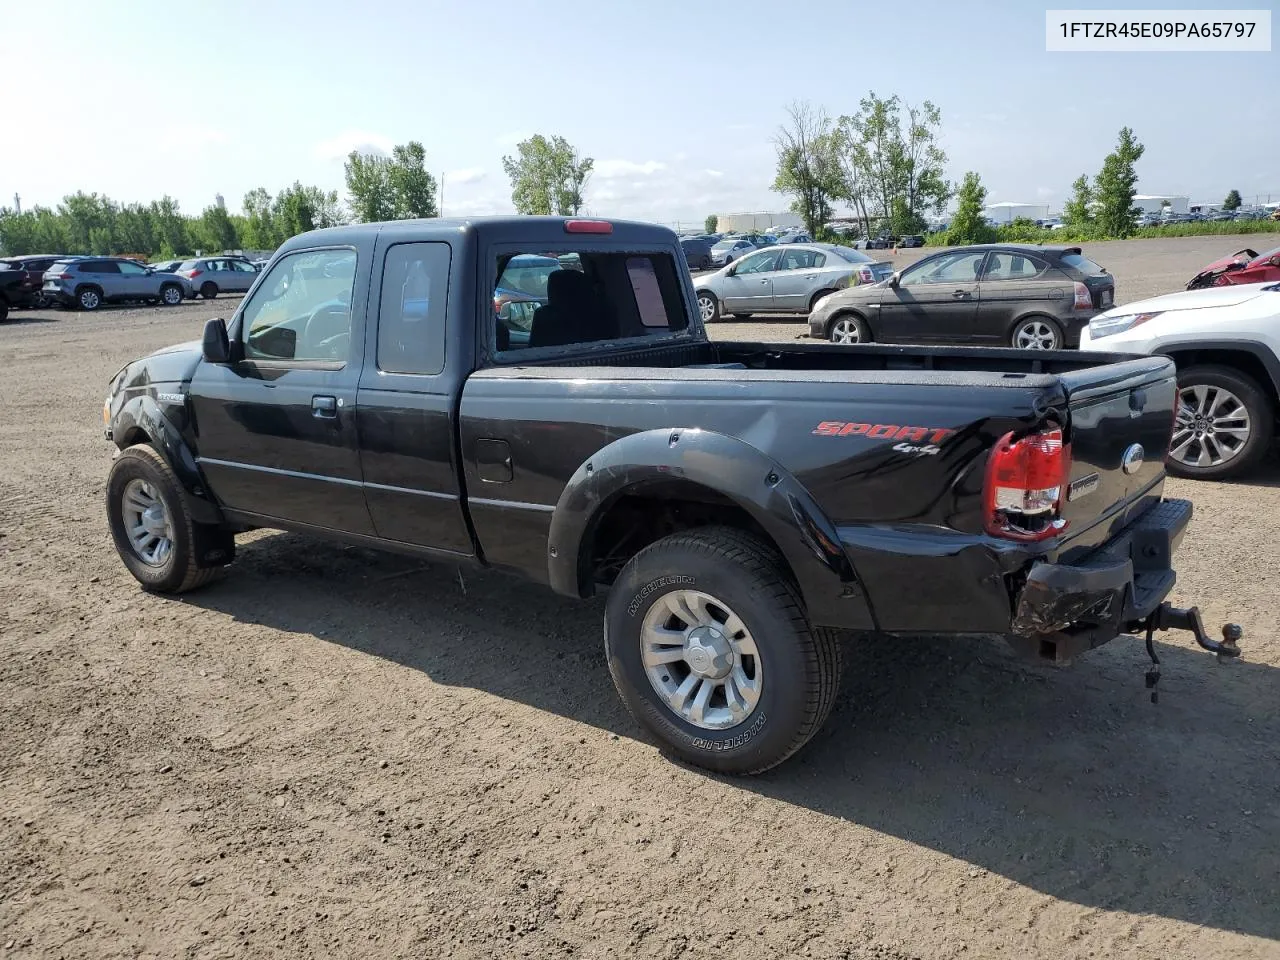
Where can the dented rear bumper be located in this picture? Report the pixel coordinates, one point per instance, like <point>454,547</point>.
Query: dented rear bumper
<point>1065,609</point>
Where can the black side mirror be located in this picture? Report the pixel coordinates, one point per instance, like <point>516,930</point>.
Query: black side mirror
<point>214,344</point>
<point>895,278</point>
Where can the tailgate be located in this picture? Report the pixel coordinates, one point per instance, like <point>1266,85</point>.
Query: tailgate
<point>1121,419</point>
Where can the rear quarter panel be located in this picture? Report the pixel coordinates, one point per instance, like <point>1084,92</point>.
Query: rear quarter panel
<point>883,460</point>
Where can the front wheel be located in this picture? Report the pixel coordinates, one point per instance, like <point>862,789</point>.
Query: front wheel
<point>150,524</point>
<point>849,328</point>
<point>711,653</point>
<point>1037,333</point>
<point>708,307</point>
<point>1223,427</point>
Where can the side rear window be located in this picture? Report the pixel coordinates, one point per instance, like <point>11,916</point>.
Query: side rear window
<point>411,313</point>
<point>101,266</point>
<point>556,299</point>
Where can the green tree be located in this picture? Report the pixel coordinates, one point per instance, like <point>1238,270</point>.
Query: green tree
<point>709,225</point>
<point>968,224</point>
<point>1116,184</point>
<point>369,191</point>
<point>214,231</point>
<point>134,231</point>
<point>413,189</point>
<point>1077,212</point>
<point>891,163</point>
<point>172,229</point>
<point>17,232</point>
<point>808,164</point>
<point>260,228</point>
<point>547,176</point>
<point>1233,201</point>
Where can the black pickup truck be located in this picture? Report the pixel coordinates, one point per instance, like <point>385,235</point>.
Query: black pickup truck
<point>746,505</point>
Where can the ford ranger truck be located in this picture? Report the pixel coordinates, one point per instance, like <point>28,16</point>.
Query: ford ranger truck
<point>747,507</point>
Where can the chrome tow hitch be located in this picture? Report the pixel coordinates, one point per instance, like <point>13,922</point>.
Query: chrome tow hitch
<point>1168,617</point>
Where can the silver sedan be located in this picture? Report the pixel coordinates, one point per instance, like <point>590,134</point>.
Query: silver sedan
<point>784,279</point>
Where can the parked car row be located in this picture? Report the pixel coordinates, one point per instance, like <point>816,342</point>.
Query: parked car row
<point>86,282</point>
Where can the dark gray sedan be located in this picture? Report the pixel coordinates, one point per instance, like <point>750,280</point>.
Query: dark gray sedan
<point>1015,295</point>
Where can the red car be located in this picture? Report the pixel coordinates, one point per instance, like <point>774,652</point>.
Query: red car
<point>1243,266</point>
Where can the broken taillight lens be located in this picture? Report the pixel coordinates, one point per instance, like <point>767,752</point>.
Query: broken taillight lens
<point>1026,484</point>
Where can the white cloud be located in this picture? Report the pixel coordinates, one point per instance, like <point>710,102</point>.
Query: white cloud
<point>465,175</point>
<point>362,141</point>
<point>713,173</point>
<point>616,169</point>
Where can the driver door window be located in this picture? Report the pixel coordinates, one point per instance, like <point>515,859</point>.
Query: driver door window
<point>302,309</point>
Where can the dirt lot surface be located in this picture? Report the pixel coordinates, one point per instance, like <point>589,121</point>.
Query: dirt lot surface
<point>1142,268</point>
<point>338,753</point>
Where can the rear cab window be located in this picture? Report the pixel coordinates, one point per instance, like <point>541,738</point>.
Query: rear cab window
<point>564,298</point>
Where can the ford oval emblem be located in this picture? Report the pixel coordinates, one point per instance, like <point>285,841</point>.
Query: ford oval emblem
<point>1133,458</point>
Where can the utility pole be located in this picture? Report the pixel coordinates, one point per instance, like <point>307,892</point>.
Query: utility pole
<point>440,205</point>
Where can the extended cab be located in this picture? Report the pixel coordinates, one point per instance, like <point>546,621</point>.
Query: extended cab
<point>745,505</point>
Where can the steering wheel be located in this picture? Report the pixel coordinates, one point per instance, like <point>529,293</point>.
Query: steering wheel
<point>334,345</point>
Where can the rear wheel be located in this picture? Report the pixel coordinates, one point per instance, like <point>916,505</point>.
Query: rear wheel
<point>710,651</point>
<point>89,298</point>
<point>4,310</point>
<point>208,290</point>
<point>1224,424</point>
<point>708,307</point>
<point>171,295</point>
<point>1037,333</point>
<point>849,328</point>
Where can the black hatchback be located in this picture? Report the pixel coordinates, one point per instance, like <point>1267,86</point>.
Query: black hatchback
<point>1014,295</point>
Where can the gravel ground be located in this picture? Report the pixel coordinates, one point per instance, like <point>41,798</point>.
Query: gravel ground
<point>338,753</point>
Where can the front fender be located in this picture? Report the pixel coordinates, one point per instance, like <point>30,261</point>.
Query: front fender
<point>731,467</point>
<point>143,419</point>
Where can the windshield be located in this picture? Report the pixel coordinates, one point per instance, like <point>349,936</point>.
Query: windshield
<point>725,245</point>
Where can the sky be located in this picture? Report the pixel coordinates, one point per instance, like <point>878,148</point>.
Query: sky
<point>677,102</point>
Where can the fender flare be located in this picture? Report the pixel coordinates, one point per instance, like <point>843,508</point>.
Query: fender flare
<point>143,414</point>
<point>732,468</point>
<point>1259,351</point>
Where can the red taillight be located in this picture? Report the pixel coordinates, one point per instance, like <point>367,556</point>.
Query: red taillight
<point>1026,483</point>
<point>588,226</point>
<point>191,274</point>
<point>64,276</point>
<point>1084,299</point>
<point>867,275</point>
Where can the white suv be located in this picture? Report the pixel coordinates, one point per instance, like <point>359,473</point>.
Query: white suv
<point>1226,343</point>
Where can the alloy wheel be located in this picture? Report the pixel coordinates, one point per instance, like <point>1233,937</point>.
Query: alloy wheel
<point>147,523</point>
<point>701,660</point>
<point>1212,426</point>
<point>1035,335</point>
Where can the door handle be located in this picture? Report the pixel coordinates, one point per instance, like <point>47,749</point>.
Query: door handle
<point>325,408</point>
<point>960,294</point>
<point>766,281</point>
<point>811,276</point>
